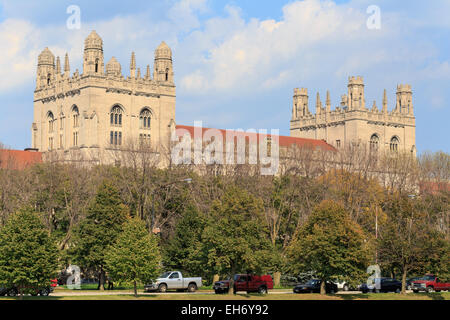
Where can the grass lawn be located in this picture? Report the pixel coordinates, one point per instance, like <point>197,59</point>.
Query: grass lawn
<point>254,297</point>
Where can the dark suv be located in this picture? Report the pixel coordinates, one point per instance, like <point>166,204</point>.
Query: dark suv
<point>313,286</point>
<point>382,285</point>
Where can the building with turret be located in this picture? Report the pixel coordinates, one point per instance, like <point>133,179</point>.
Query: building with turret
<point>99,108</point>
<point>353,122</point>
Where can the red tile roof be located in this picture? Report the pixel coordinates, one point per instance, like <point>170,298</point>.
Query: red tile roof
<point>284,141</point>
<point>18,160</point>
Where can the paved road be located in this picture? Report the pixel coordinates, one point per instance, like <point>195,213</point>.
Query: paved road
<point>70,293</point>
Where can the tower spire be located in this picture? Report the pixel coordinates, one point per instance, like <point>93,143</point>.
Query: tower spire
<point>58,66</point>
<point>133,65</point>
<point>318,104</point>
<point>66,65</point>
<point>147,75</point>
<point>385,102</point>
<point>328,101</point>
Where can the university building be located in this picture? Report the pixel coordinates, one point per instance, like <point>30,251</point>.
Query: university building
<point>93,114</point>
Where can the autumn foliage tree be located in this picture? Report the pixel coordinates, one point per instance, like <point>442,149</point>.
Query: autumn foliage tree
<point>331,245</point>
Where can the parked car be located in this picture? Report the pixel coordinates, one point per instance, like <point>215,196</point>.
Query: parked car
<point>174,280</point>
<point>313,286</point>
<point>410,281</point>
<point>245,282</point>
<point>382,285</point>
<point>345,286</point>
<point>14,291</point>
<point>430,283</point>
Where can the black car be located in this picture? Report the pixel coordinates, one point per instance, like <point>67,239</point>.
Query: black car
<point>12,292</point>
<point>313,286</point>
<point>382,285</point>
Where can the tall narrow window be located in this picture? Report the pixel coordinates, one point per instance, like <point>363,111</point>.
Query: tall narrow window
<point>394,144</point>
<point>96,65</point>
<point>76,116</point>
<point>167,74</point>
<point>145,119</point>
<point>374,141</point>
<point>51,120</point>
<point>116,116</point>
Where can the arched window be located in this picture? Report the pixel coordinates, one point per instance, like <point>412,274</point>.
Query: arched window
<point>96,65</point>
<point>374,141</point>
<point>49,79</point>
<point>116,116</point>
<point>394,144</point>
<point>51,121</point>
<point>167,74</point>
<point>145,119</point>
<point>76,116</point>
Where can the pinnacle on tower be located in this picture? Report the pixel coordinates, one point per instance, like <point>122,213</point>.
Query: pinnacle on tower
<point>374,106</point>
<point>133,65</point>
<point>385,102</point>
<point>328,101</point>
<point>318,104</point>
<point>147,75</point>
<point>66,65</point>
<point>139,73</point>
<point>58,66</point>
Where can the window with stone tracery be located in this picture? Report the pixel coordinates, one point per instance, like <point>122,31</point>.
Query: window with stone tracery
<point>374,142</point>
<point>116,116</point>
<point>145,119</point>
<point>394,144</point>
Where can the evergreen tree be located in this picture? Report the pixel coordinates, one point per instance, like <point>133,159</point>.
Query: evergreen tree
<point>331,245</point>
<point>99,230</point>
<point>28,255</point>
<point>134,257</point>
<point>183,251</point>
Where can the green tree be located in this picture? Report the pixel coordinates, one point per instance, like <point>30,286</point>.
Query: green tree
<point>28,255</point>
<point>236,238</point>
<point>331,245</point>
<point>409,242</point>
<point>99,230</point>
<point>135,256</point>
<point>183,251</point>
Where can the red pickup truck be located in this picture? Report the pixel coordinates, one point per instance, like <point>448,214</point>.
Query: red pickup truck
<point>245,282</point>
<point>430,283</point>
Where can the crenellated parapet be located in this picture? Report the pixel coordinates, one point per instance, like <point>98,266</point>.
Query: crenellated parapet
<point>351,105</point>
<point>351,120</point>
<point>53,84</point>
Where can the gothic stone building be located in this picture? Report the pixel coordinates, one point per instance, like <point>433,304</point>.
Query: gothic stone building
<point>352,122</point>
<point>100,109</point>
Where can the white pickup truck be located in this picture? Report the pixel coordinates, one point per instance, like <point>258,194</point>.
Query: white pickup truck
<point>173,280</point>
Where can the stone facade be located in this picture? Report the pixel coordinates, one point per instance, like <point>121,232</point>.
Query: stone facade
<point>101,109</point>
<point>352,122</point>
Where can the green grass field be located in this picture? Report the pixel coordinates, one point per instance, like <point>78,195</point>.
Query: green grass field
<point>255,297</point>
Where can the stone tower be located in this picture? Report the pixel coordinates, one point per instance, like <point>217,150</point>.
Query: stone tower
<point>45,69</point>
<point>163,68</point>
<point>93,63</point>
<point>98,112</point>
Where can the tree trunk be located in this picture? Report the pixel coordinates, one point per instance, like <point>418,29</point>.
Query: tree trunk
<point>135,289</point>
<point>404,280</point>
<point>323,290</point>
<point>101,280</point>
<point>231,288</point>
<point>276,279</point>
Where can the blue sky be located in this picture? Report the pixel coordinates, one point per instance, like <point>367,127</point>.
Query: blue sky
<point>237,62</point>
